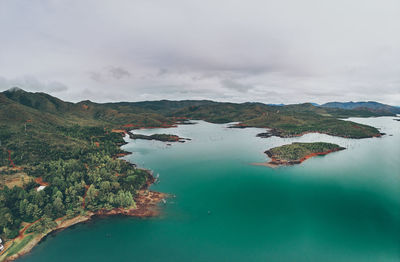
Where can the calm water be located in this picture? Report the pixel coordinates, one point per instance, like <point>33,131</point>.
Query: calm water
<point>341,207</point>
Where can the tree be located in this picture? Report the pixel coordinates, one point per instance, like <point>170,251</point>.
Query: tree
<point>91,196</point>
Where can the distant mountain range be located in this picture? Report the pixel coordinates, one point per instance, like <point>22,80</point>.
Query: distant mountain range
<point>370,105</point>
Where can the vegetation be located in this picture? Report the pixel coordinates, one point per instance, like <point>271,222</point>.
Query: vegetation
<point>297,151</point>
<point>81,175</point>
<point>159,137</point>
<point>287,121</point>
<point>17,246</point>
<point>72,149</point>
<point>371,106</point>
<point>19,109</point>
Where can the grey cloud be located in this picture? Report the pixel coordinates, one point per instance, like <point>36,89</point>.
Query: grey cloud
<point>162,71</point>
<point>31,83</point>
<point>109,73</point>
<point>118,72</point>
<point>234,85</point>
<point>96,76</point>
<point>308,50</point>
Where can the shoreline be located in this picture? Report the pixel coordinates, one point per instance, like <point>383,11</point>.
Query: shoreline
<point>146,206</point>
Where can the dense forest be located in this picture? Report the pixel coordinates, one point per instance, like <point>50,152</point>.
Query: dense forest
<point>85,179</point>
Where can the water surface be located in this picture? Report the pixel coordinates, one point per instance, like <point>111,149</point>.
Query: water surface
<point>341,207</point>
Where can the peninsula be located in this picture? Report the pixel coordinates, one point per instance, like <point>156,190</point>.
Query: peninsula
<point>296,153</point>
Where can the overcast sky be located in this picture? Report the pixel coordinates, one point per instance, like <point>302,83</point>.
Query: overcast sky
<point>281,51</point>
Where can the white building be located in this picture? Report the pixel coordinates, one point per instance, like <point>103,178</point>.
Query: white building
<point>40,188</point>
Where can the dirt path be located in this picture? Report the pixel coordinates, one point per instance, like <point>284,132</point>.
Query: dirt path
<point>22,232</point>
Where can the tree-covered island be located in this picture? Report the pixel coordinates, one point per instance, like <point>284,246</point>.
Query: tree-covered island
<point>296,153</point>
<point>158,137</point>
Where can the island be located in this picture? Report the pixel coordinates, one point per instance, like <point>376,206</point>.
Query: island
<point>158,137</point>
<point>296,153</point>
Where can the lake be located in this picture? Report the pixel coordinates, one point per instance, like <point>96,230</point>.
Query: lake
<point>344,206</point>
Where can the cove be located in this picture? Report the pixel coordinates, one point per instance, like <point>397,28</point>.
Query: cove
<point>344,206</point>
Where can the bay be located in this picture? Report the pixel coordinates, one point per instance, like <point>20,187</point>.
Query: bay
<point>344,206</point>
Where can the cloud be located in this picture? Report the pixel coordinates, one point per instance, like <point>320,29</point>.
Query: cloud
<point>236,86</point>
<point>95,76</point>
<point>271,51</point>
<point>109,73</point>
<point>31,83</point>
<point>118,72</point>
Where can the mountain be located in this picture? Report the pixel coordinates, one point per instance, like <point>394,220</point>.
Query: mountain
<point>276,104</point>
<point>370,105</point>
<point>38,126</point>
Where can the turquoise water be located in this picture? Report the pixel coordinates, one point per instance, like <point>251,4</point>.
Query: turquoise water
<point>341,207</point>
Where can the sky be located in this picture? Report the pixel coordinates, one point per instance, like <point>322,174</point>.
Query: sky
<point>271,51</point>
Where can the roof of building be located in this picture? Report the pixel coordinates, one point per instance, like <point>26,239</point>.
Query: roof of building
<point>40,188</point>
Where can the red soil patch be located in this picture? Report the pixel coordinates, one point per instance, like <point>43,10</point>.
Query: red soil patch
<point>317,154</point>
<point>118,131</point>
<point>39,180</point>
<point>129,125</point>
<point>121,154</point>
<point>9,159</point>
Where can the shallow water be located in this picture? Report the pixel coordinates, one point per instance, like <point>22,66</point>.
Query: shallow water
<point>341,207</point>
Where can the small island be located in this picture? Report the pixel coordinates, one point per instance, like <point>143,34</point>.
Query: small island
<point>159,137</point>
<point>296,153</point>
